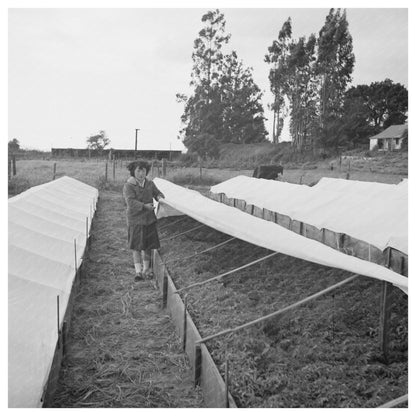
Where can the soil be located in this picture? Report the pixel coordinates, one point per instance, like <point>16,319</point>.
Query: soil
<point>323,354</point>
<point>122,350</point>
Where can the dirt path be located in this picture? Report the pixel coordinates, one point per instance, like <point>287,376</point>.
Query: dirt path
<point>122,348</point>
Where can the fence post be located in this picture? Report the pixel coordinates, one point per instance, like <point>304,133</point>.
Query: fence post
<point>106,170</point>
<point>114,168</point>
<point>164,288</point>
<point>164,167</point>
<point>9,170</point>
<point>54,171</point>
<point>14,164</point>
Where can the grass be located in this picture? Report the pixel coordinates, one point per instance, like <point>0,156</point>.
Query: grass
<point>389,168</point>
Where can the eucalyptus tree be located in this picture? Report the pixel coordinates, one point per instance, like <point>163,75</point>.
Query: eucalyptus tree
<point>277,57</point>
<point>335,63</point>
<point>201,117</point>
<point>243,113</point>
<point>302,92</point>
<point>225,104</point>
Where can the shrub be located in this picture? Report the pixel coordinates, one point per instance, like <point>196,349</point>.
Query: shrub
<point>188,159</point>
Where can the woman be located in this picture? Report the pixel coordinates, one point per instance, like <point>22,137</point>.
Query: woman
<point>139,193</point>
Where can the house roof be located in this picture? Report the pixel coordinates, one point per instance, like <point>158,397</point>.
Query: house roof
<point>393,132</point>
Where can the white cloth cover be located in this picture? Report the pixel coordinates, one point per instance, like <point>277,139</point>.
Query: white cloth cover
<point>369,211</point>
<point>267,234</point>
<point>43,223</point>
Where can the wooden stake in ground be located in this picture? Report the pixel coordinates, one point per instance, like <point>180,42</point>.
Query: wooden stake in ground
<point>197,365</point>
<point>385,311</point>
<point>185,304</point>
<point>54,171</point>
<point>57,319</point>
<point>14,164</point>
<point>226,382</point>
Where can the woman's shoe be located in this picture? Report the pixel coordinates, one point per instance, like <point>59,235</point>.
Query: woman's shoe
<point>148,274</point>
<point>139,277</point>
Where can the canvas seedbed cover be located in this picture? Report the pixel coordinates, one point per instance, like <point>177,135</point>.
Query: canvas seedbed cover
<point>43,223</point>
<point>369,211</point>
<point>263,233</point>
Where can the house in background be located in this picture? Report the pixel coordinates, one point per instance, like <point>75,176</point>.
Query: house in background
<point>389,139</point>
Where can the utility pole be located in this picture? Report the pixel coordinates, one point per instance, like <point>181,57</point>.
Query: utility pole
<point>135,145</point>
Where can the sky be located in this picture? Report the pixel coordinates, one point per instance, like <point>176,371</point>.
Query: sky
<point>75,71</point>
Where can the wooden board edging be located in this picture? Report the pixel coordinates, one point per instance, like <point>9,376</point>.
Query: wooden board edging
<point>211,382</point>
<point>338,241</point>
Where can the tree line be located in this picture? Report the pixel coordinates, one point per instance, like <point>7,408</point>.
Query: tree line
<point>310,82</point>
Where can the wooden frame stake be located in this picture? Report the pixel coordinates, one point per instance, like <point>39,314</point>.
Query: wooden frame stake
<point>57,320</point>
<point>385,312</point>
<point>75,257</point>
<point>197,365</point>
<point>185,301</point>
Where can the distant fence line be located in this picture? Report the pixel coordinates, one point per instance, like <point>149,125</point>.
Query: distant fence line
<point>116,153</point>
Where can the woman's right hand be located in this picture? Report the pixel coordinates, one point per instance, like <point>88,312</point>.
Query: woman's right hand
<point>149,206</point>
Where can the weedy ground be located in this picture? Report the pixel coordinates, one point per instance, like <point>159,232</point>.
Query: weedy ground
<point>122,347</point>
<point>323,354</point>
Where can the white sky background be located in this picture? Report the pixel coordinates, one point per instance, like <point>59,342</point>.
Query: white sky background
<point>73,72</point>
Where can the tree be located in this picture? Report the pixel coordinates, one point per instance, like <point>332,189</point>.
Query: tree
<point>386,101</point>
<point>335,63</point>
<point>368,109</point>
<point>355,126</point>
<point>13,145</point>
<point>98,141</point>
<point>277,57</point>
<point>202,110</point>
<point>243,113</point>
<point>302,91</point>
<point>225,103</point>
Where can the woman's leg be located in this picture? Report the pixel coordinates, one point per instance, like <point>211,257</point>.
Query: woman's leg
<point>146,260</point>
<point>137,258</point>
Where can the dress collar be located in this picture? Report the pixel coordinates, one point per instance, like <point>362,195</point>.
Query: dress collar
<point>134,181</point>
